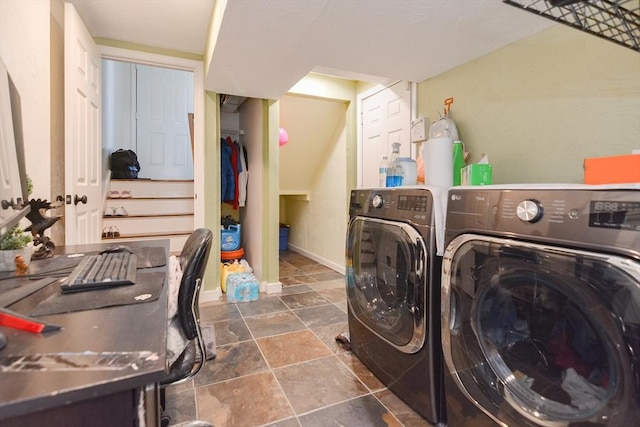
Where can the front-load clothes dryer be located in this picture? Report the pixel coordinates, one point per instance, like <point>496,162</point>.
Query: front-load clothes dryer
<point>393,292</point>
<point>541,306</point>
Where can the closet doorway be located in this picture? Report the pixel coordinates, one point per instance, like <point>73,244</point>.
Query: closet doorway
<point>146,108</point>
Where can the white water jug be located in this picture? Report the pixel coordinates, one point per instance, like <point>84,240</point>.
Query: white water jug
<point>408,169</point>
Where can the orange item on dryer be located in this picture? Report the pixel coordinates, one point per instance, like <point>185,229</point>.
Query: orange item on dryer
<point>612,170</point>
<point>420,167</point>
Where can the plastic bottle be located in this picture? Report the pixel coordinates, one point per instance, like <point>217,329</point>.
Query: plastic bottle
<point>383,171</point>
<point>407,168</point>
<point>458,162</point>
<point>394,179</point>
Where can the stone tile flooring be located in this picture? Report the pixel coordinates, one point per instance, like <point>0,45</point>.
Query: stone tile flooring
<point>278,363</point>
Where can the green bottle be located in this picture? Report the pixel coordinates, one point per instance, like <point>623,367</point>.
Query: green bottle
<point>458,162</point>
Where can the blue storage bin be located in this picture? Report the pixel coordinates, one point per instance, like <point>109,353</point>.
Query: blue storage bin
<point>284,237</point>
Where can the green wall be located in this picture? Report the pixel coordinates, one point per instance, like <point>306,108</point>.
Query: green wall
<point>538,107</point>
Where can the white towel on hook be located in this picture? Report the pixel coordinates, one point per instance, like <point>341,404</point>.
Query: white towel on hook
<point>243,176</point>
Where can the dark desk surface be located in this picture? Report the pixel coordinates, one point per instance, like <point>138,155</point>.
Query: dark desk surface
<point>139,330</point>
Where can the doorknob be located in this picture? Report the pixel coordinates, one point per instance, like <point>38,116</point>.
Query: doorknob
<point>77,200</point>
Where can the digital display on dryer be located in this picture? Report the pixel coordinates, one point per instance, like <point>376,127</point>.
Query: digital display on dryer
<point>412,203</point>
<point>619,215</point>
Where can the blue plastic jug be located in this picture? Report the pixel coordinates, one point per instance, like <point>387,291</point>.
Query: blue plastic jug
<point>230,238</point>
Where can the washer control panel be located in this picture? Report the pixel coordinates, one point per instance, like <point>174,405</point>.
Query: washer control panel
<point>621,214</point>
<point>587,217</point>
<point>411,204</point>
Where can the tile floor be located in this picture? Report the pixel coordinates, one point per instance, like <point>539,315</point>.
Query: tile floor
<point>278,363</point>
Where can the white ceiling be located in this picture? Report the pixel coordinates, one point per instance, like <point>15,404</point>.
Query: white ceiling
<point>264,47</point>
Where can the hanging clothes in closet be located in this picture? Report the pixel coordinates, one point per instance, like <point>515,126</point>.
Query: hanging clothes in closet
<point>243,175</point>
<point>227,179</point>
<point>234,172</point>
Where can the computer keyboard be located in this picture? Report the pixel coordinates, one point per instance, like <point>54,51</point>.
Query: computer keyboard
<point>101,271</point>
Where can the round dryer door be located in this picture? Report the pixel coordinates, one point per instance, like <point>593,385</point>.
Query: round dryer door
<point>543,336</point>
<point>386,280</point>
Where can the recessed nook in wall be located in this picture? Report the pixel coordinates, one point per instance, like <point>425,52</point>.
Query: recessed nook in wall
<point>295,195</point>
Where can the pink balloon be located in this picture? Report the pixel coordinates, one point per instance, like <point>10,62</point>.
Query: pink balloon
<point>284,137</point>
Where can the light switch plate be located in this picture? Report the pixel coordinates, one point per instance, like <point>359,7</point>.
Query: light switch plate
<point>419,129</point>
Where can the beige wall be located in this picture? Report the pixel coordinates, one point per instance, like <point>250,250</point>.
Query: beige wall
<point>32,47</point>
<point>316,213</point>
<point>318,225</point>
<point>57,112</point>
<point>25,48</point>
<point>252,228</point>
<point>538,107</point>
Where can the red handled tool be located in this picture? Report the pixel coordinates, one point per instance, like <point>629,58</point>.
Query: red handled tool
<point>19,321</point>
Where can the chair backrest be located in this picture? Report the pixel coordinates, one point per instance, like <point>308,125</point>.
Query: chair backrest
<point>193,260</point>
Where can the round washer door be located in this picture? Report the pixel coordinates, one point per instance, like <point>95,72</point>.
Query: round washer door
<point>386,280</point>
<point>543,336</point>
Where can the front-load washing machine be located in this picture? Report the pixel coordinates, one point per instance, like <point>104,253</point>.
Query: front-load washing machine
<point>541,306</point>
<point>393,292</point>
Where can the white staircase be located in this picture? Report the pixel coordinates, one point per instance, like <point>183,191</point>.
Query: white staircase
<point>156,209</point>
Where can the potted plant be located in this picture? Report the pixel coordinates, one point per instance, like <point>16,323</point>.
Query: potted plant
<point>14,242</point>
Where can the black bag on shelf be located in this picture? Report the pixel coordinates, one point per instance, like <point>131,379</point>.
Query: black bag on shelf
<point>124,164</point>
<point>227,221</point>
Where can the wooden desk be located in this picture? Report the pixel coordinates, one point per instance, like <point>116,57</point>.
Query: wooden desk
<point>90,394</point>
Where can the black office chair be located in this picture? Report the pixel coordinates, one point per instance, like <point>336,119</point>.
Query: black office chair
<point>193,262</point>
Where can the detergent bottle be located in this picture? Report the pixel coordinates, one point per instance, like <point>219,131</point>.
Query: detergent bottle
<point>230,237</point>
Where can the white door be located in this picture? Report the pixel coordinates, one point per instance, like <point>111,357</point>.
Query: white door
<point>386,118</point>
<point>164,99</point>
<point>83,154</point>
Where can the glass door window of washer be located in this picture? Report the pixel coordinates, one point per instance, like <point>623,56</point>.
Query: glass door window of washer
<point>551,333</point>
<point>386,280</point>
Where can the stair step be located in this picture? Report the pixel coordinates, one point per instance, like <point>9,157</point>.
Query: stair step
<point>157,209</point>
<point>147,188</point>
<point>140,224</point>
<point>154,215</point>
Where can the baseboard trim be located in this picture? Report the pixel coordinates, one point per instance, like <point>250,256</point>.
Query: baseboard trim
<point>271,288</point>
<point>210,296</point>
<point>327,263</point>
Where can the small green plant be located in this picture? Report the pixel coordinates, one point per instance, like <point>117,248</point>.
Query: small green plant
<point>29,186</point>
<point>15,238</point>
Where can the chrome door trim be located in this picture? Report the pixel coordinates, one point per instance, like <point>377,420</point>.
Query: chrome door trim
<point>446,319</point>
<point>419,314</point>
<point>629,266</point>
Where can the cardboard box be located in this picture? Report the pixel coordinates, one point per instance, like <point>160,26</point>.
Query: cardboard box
<point>476,174</point>
<point>612,170</point>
